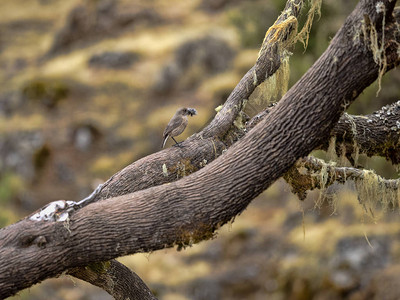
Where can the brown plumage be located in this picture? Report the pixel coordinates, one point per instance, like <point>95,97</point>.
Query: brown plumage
<point>177,124</point>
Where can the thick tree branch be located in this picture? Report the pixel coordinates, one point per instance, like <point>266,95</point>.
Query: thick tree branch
<point>171,164</point>
<point>113,277</point>
<point>377,134</point>
<point>191,209</point>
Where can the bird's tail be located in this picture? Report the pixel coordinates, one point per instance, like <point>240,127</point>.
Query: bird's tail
<point>165,140</point>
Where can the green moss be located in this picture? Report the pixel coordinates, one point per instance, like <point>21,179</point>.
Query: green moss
<point>99,267</point>
<point>183,168</point>
<point>46,92</point>
<point>200,233</point>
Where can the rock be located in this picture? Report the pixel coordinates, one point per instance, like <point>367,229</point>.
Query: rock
<point>84,136</point>
<point>93,21</point>
<point>356,260</point>
<point>113,60</point>
<point>64,173</point>
<point>17,151</point>
<point>384,285</point>
<point>214,54</point>
<point>194,60</point>
<point>10,102</point>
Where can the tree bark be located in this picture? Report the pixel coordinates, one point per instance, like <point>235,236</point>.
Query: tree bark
<point>116,279</point>
<point>377,134</point>
<point>191,209</point>
<point>205,146</point>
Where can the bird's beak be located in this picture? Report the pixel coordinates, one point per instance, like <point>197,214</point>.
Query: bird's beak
<point>192,111</point>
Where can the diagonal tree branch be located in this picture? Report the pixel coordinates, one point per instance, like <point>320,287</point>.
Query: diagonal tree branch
<point>203,147</point>
<point>175,163</point>
<point>197,153</point>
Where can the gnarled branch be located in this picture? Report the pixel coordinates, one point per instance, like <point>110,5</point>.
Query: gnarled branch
<point>311,173</point>
<point>377,134</point>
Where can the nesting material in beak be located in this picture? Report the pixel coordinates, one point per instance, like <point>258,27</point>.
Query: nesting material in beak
<point>192,111</point>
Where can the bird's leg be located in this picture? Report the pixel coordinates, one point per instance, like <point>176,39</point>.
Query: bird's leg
<point>176,143</point>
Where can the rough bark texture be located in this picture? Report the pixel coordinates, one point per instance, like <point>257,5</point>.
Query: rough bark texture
<point>377,134</point>
<point>113,277</point>
<point>191,209</point>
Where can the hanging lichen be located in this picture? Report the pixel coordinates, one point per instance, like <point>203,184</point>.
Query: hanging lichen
<point>322,180</point>
<point>371,39</point>
<point>376,193</point>
<point>282,35</point>
<point>272,89</point>
<point>303,35</point>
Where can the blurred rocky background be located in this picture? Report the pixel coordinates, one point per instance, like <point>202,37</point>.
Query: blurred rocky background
<point>88,86</point>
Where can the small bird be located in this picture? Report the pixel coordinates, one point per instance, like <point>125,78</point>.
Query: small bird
<point>177,124</point>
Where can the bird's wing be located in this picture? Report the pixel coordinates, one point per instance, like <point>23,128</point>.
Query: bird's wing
<point>173,123</point>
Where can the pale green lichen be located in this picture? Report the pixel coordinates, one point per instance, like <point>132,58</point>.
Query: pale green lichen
<point>374,193</point>
<point>353,127</point>
<point>203,163</point>
<point>272,89</point>
<point>66,224</point>
<point>239,122</point>
<point>283,34</point>
<point>331,152</point>
<point>371,39</point>
<point>165,170</point>
<point>218,108</point>
<point>320,179</point>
